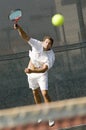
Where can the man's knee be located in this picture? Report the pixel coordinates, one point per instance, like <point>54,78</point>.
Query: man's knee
<point>45,93</point>
<point>36,92</point>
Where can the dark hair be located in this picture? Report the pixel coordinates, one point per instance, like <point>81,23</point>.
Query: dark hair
<point>48,37</point>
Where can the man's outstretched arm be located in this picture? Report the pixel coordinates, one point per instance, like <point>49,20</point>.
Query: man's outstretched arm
<point>22,33</point>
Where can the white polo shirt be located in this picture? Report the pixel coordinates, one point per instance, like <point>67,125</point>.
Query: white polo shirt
<point>38,56</point>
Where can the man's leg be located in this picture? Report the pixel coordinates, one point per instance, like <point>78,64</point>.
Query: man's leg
<point>47,100</point>
<point>45,95</point>
<point>37,96</point>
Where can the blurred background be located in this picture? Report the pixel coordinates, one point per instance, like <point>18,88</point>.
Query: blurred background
<point>67,79</point>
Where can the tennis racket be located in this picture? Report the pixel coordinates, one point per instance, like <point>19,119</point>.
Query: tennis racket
<point>15,15</point>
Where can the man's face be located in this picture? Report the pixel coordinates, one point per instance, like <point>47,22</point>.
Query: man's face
<point>47,44</point>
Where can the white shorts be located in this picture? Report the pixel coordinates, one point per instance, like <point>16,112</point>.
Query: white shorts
<point>38,81</point>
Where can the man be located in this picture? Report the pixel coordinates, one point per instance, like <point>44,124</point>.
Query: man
<point>41,60</point>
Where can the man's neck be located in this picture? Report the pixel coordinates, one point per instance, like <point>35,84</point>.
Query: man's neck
<point>46,49</point>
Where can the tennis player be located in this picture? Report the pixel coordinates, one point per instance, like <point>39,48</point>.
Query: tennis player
<point>42,59</point>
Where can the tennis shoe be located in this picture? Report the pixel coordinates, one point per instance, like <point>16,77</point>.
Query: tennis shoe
<point>39,120</point>
<point>51,123</point>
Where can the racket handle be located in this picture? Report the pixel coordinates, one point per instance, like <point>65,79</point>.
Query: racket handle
<point>16,25</point>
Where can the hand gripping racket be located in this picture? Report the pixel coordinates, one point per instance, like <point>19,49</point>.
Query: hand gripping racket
<point>15,15</point>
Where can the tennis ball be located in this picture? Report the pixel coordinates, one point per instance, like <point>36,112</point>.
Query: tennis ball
<point>58,20</point>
